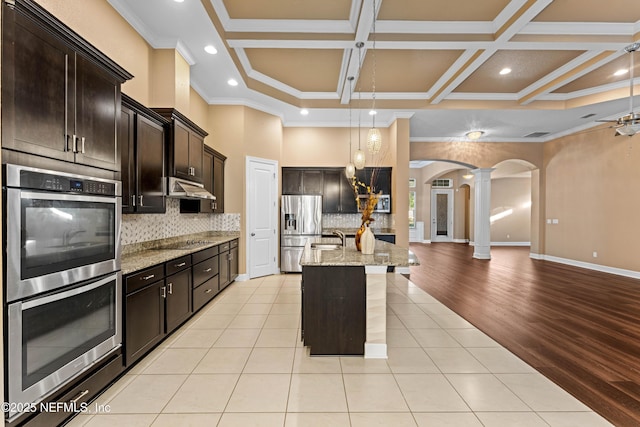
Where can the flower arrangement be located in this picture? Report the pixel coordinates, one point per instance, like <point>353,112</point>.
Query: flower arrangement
<point>365,205</point>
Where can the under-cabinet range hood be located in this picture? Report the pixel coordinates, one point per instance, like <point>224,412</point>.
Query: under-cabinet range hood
<point>183,189</point>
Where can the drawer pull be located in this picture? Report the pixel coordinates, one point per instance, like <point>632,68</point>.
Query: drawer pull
<point>207,270</point>
<point>182,264</point>
<point>79,396</point>
<point>208,291</point>
<point>151,276</point>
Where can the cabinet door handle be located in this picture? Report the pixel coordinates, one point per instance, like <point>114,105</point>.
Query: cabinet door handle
<point>207,270</point>
<point>163,291</point>
<point>182,264</point>
<point>140,198</point>
<point>74,140</point>
<point>170,285</point>
<point>79,396</point>
<point>151,276</point>
<point>82,144</point>
<point>133,200</point>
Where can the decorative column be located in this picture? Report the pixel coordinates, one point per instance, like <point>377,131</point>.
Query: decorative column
<point>482,214</point>
<point>375,346</point>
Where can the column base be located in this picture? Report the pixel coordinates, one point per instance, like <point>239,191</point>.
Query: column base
<point>375,351</point>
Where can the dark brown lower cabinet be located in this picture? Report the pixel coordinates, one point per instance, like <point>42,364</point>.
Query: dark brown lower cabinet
<point>144,325</point>
<point>228,263</point>
<point>155,305</point>
<point>178,301</point>
<point>334,309</point>
<point>205,276</point>
<point>81,391</point>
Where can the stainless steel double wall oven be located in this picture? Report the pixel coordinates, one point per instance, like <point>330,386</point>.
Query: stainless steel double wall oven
<point>62,277</point>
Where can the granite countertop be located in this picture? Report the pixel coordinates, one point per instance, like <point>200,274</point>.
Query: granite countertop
<point>352,231</point>
<point>138,256</point>
<point>384,254</point>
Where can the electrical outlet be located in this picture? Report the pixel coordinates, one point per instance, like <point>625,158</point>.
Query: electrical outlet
<point>555,220</point>
<point>548,220</point>
<point>508,236</point>
<point>595,254</point>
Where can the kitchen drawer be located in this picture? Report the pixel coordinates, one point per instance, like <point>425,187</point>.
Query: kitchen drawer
<point>204,254</point>
<point>205,270</point>
<point>84,391</point>
<point>178,264</point>
<point>204,293</point>
<point>224,247</point>
<point>233,243</point>
<point>143,278</point>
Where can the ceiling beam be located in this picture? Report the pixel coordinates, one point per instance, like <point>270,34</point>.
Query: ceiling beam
<point>575,69</point>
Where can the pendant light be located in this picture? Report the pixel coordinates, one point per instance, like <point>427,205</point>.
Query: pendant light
<point>358,156</point>
<point>374,138</point>
<point>350,169</point>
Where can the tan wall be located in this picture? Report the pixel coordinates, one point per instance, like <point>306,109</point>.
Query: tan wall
<point>328,147</point>
<point>515,194</point>
<point>592,183</point>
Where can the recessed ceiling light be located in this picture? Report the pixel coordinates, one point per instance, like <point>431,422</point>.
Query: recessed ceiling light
<point>474,134</point>
<point>373,112</point>
<point>621,72</point>
<point>210,49</point>
<point>505,71</point>
<point>304,112</point>
<point>178,1</point>
<point>232,82</point>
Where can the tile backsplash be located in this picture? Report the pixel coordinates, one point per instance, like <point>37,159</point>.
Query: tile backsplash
<point>144,227</point>
<point>354,220</point>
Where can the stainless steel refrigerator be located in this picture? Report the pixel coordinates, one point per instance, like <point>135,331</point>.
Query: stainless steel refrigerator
<point>300,220</point>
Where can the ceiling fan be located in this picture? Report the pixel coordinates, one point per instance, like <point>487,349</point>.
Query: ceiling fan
<point>628,124</point>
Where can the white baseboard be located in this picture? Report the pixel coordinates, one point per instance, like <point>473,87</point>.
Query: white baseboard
<point>591,266</point>
<point>535,256</point>
<point>460,241</point>
<point>242,277</point>
<point>375,351</point>
<point>510,243</point>
<point>426,241</point>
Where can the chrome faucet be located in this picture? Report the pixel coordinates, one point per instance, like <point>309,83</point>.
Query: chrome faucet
<point>340,234</point>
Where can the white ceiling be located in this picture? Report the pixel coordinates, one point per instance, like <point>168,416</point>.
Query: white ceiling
<point>440,113</point>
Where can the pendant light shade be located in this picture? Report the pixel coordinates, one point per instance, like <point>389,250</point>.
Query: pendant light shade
<point>358,159</point>
<point>350,170</point>
<point>374,140</point>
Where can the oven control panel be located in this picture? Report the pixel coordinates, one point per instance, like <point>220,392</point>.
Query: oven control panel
<point>65,184</point>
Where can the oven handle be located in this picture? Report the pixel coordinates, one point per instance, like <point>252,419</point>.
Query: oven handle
<point>67,197</point>
<point>38,301</point>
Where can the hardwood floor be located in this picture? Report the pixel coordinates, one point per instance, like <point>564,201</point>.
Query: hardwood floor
<point>578,327</point>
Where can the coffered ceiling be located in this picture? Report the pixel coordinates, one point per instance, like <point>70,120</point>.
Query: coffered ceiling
<point>436,61</point>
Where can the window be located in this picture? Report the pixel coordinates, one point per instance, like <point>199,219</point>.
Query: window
<point>412,209</point>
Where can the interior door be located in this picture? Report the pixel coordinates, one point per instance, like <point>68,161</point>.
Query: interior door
<point>262,215</point>
<point>442,215</point>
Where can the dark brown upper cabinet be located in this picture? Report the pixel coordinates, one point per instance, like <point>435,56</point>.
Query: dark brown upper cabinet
<point>142,138</point>
<point>185,146</point>
<point>60,95</point>
<point>213,180</point>
<point>302,181</point>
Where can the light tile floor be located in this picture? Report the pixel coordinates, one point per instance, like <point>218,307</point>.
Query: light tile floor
<point>239,362</point>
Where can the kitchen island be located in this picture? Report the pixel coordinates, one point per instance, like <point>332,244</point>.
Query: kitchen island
<point>344,296</point>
